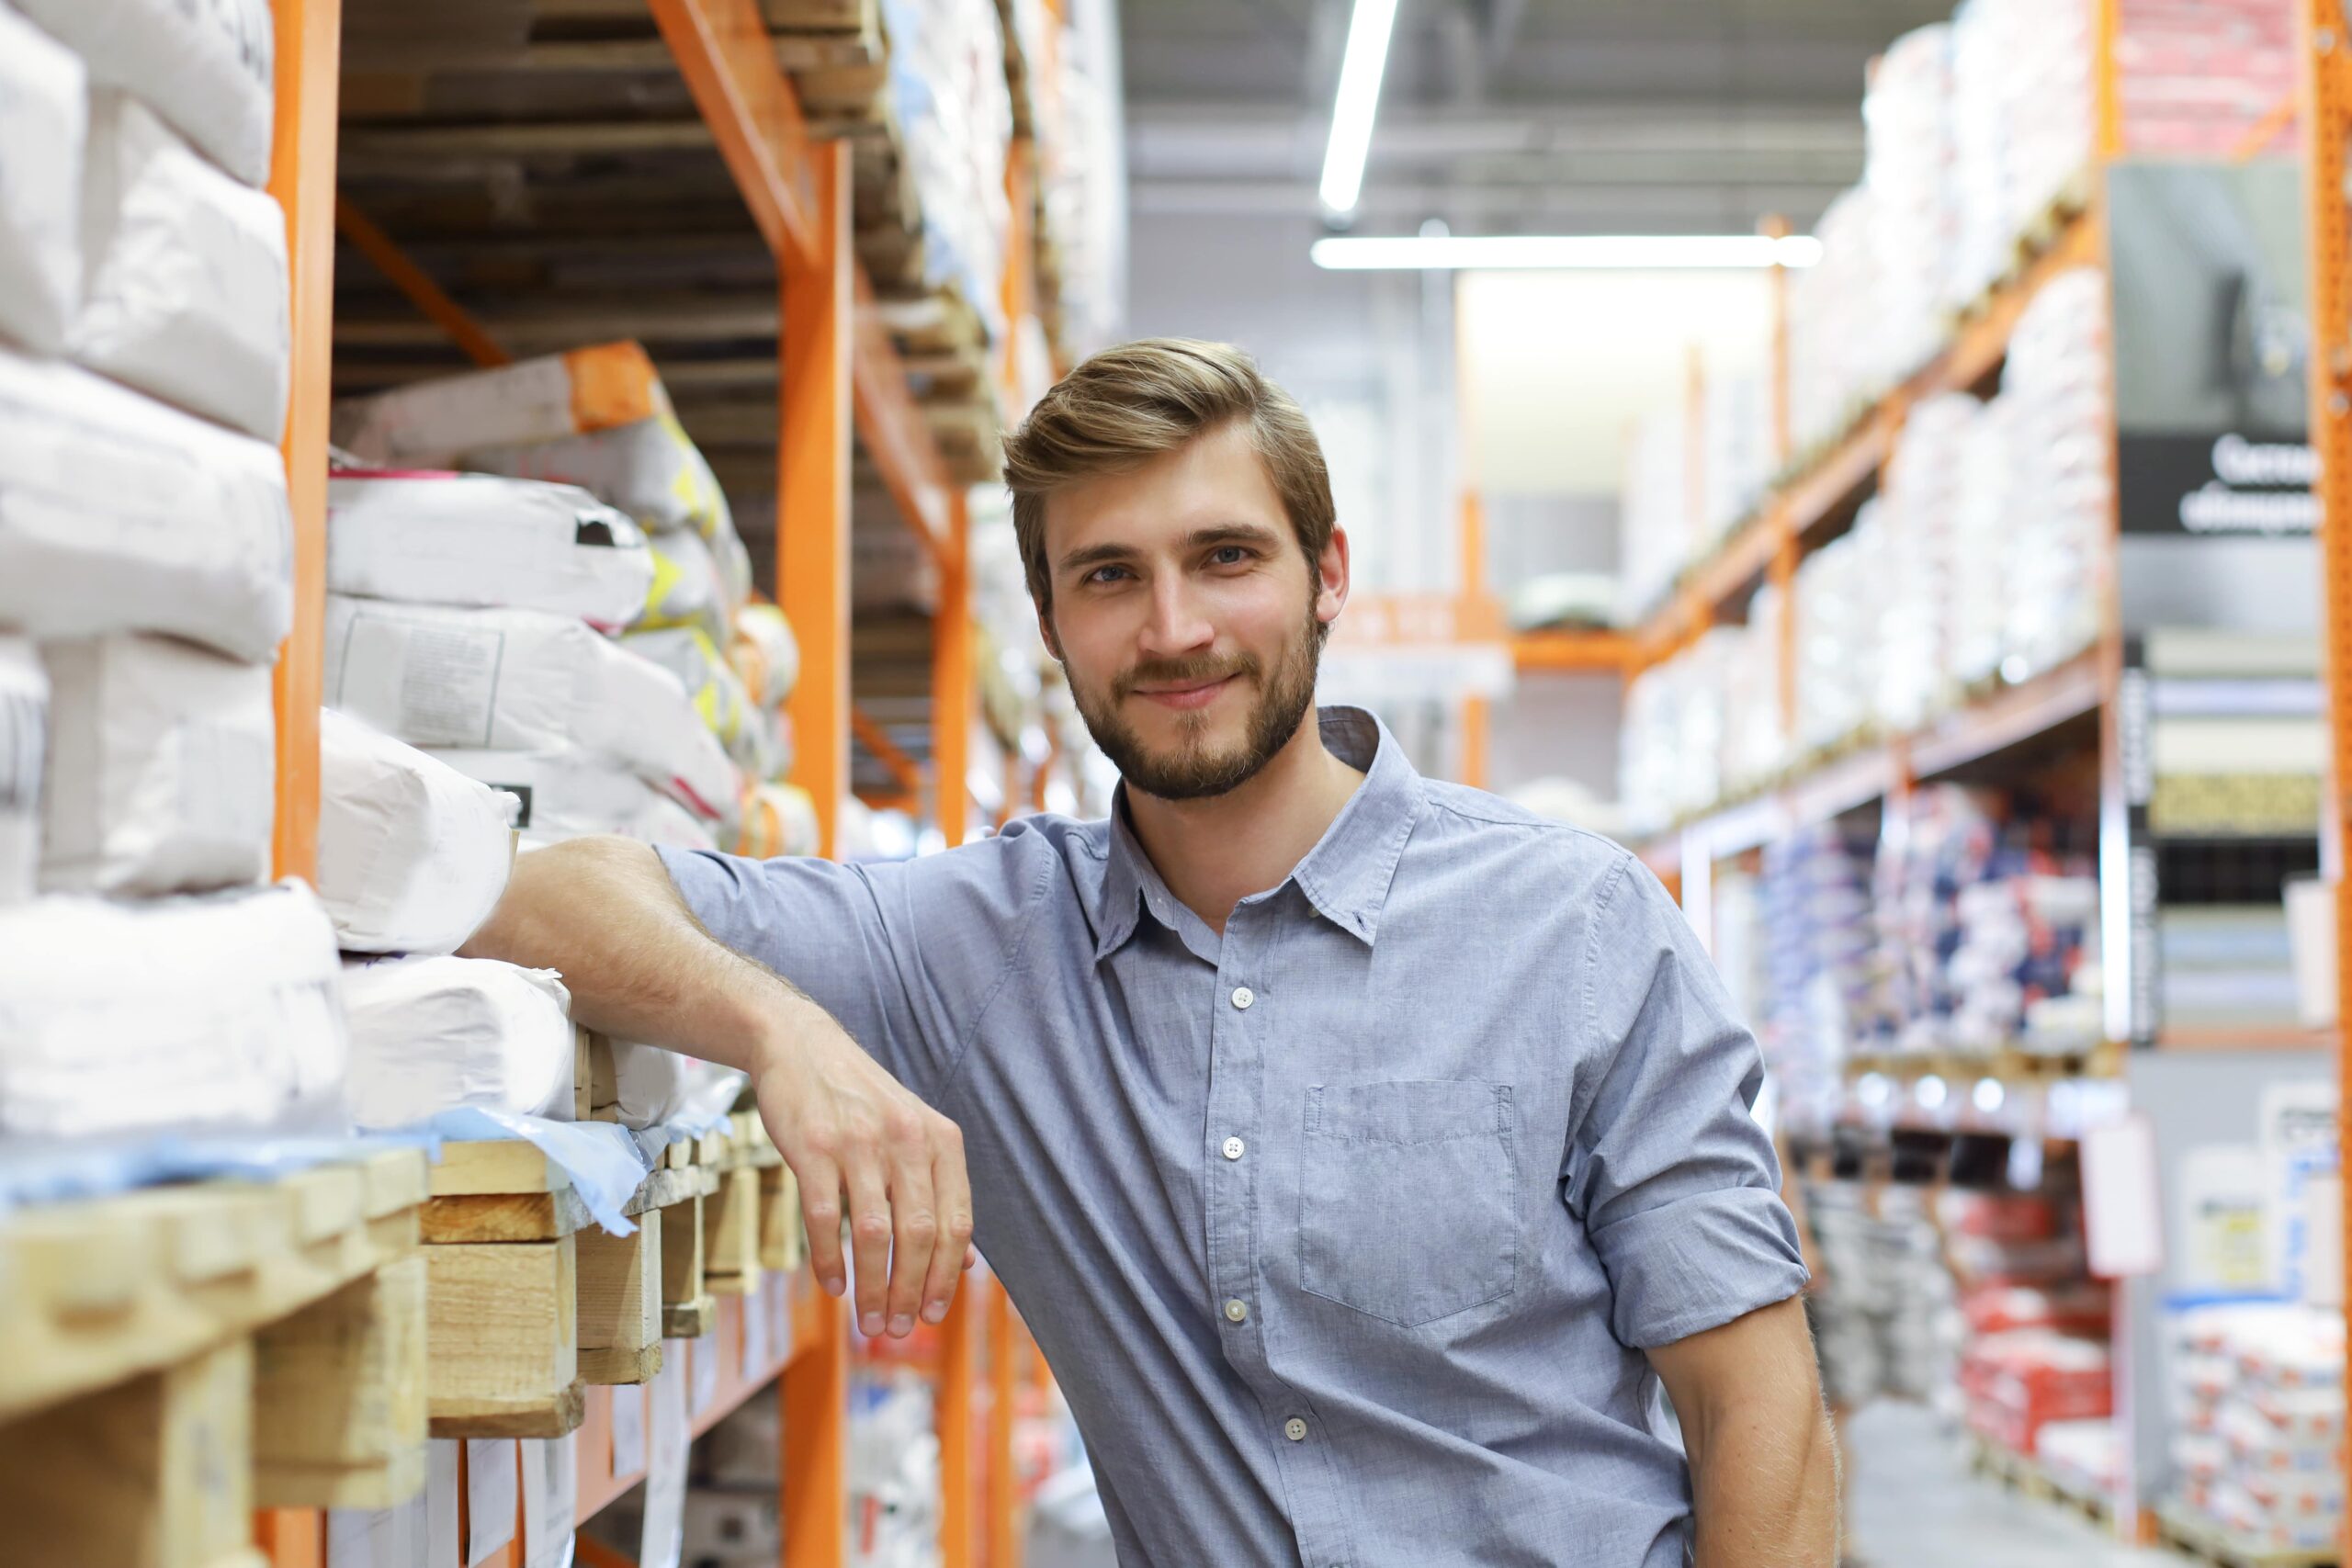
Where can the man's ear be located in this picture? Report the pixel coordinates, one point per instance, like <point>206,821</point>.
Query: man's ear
<point>1331,578</point>
<point>1046,630</point>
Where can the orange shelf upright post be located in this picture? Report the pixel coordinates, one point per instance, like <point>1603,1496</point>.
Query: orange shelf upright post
<point>953,1392</point>
<point>814,1392</point>
<point>951,678</point>
<point>309,42</point>
<point>1003,1483</point>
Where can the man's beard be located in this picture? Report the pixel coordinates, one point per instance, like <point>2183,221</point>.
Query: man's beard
<point>1195,772</point>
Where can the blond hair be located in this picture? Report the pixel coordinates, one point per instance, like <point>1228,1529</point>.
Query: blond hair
<point>1137,400</point>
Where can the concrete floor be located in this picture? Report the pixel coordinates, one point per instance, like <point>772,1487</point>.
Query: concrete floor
<point>1915,1506</point>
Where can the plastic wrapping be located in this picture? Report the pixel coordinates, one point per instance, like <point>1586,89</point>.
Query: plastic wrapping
<point>710,681</point>
<point>412,854</point>
<point>221,1011</point>
<point>430,1034</point>
<point>526,681</point>
<point>162,768</point>
<point>568,795</point>
<point>205,65</point>
<point>688,588</point>
<point>432,423</point>
<point>765,654</point>
<point>650,468</point>
<point>602,1160</point>
<point>24,730</point>
<point>188,534</point>
<point>778,819</point>
<point>44,116</point>
<point>480,541</point>
<point>185,295</point>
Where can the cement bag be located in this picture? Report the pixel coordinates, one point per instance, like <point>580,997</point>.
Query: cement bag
<point>778,819</point>
<point>716,691</point>
<point>215,1012</point>
<point>522,680</point>
<point>652,1083</point>
<point>472,539</point>
<point>569,795</point>
<point>44,114</point>
<point>412,854</point>
<point>430,1034</point>
<point>185,291</point>
<point>118,513</point>
<point>688,588</point>
<point>204,65</point>
<point>24,733</point>
<point>765,654</point>
<point>767,737</point>
<point>162,768</point>
<point>650,468</point>
<point>432,424</point>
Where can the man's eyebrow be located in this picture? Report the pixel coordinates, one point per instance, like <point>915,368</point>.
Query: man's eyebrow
<point>1088,556</point>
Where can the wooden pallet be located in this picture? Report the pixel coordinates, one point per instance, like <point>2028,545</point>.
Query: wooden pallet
<point>181,1355</point>
<point>2191,1534</point>
<point>2027,1477</point>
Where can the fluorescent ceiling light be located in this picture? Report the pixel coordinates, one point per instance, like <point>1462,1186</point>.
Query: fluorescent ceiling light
<point>1361,68</point>
<point>1621,252</point>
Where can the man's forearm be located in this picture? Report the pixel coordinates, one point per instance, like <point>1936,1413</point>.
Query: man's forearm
<point>604,914</point>
<point>1764,1484</point>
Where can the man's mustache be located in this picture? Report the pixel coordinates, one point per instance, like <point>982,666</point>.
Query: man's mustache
<point>1197,671</point>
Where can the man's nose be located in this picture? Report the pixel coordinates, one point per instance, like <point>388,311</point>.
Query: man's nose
<point>1176,625</point>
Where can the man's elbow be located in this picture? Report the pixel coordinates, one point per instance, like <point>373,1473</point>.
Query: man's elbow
<point>548,887</point>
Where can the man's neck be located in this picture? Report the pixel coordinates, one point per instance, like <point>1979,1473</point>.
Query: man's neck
<point>1212,853</point>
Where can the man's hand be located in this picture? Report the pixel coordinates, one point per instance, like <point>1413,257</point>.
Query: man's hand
<point>639,967</point>
<point>1763,1464</point>
<point>849,1130</point>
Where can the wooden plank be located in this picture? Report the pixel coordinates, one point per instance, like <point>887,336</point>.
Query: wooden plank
<point>505,1216</point>
<point>501,1335</point>
<point>154,1473</point>
<point>502,1165</point>
<point>686,1304</point>
<point>731,1235</point>
<point>339,1397</point>
<point>782,1239</point>
<point>620,1304</point>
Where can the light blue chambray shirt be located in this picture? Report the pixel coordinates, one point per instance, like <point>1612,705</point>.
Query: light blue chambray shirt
<point>1343,1233</point>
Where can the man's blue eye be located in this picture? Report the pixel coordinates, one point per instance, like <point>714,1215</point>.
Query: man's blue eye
<point>1100,574</point>
<point>1231,555</point>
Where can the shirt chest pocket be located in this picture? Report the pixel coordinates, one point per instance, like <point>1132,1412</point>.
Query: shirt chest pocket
<point>1409,1197</point>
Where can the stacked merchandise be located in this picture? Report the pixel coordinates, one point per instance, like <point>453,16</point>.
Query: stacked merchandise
<point>1736,459</point>
<point>2060,465</point>
<point>955,114</point>
<point>1883,1308</point>
<point>1837,359</point>
<point>1907,169</point>
<point>2257,1393</point>
<point>473,615</point>
<point>1064,101</point>
<point>1755,744</point>
<point>1841,612</point>
<point>1645,755</point>
<point>1925,479</point>
<point>894,1481</point>
<point>1990,940</point>
<point>2194,79</point>
<point>2022,102</point>
<point>2036,1325</point>
<point>148,979</point>
<point>1823,992</point>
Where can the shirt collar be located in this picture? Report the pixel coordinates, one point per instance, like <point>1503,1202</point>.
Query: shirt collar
<point>1345,877</point>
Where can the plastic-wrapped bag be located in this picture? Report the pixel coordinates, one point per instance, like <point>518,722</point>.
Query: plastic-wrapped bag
<point>185,289</point>
<point>24,730</point>
<point>522,680</point>
<point>765,654</point>
<point>162,768</point>
<point>119,514</point>
<point>778,819</point>
<point>429,1035</point>
<point>473,540</point>
<point>221,1011</point>
<point>688,589</point>
<point>650,468</point>
<point>688,654</point>
<point>412,854</point>
<point>432,424</point>
<point>44,118</point>
<point>567,794</point>
<point>205,65</point>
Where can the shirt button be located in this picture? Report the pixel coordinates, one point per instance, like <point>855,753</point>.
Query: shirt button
<point>1243,995</point>
<point>1235,1310</point>
<point>1233,1148</point>
<point>1295,1429</point>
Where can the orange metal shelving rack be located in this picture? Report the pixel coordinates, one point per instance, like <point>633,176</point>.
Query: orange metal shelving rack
<point>839,373</point>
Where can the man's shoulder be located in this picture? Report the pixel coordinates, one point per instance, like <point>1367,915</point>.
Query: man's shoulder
<point>1459,812</point>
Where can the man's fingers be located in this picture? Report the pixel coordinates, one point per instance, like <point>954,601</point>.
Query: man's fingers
<point>869,1239</point>
<point>914,1225</point>
<point>952,1195</point>
<point>820,1213</point>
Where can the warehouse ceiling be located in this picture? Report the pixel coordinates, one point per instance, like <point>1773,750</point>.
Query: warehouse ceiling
<point>1502,116</point>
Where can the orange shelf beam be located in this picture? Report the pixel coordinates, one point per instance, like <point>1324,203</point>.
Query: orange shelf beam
<point>887,752</point>
<point>417,287</point>
<point>728,60</point>
<point>1576,653</point>
<point>891,424</point>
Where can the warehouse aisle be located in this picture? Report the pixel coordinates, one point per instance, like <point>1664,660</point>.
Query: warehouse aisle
<point>1916,1506</point>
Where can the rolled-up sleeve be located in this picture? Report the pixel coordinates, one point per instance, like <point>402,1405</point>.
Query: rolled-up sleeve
<point>906,955</point>
<point>1666,1169</point>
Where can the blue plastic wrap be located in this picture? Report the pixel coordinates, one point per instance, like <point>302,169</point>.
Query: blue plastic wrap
<point>601,1158</point>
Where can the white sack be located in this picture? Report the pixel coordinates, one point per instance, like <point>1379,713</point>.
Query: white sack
<point>23,731</point>
<point>765,654</point>
<point>689,588</point>
<point>711,684</point>
<point>432,423</point>
<point>119,514</point>
<point>650,468</point>
<point>162,768</point>
<point>412,854</point>
<point>44,112</point>
<point>477,540</point>
<point>186,291</point>
<point>215,1012</point>
<point>204,65</point>
<point>572,795</point>
<point>653,1084</point>
<point>430,1034</point>
<point>522,680</point>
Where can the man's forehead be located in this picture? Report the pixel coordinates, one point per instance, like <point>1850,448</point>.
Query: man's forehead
<point>1215,478</point>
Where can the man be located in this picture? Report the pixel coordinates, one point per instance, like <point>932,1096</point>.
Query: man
<point>1363,1151</point>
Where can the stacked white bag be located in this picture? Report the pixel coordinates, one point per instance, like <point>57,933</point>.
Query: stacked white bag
<point>145,584</point>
